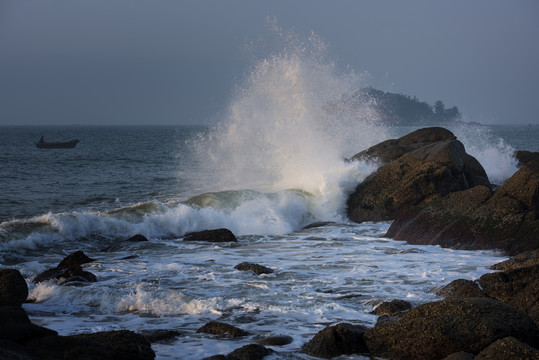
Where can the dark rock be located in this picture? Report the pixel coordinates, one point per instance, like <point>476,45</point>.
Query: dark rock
<point>249,352</point>
<point>459,289</point>
<point>478,219</point>
<point>122,245</point>
<point>73,260</point>
<point>64,276</point>
<point>390,150</point>
<point>13,288</point>
<point>318,224</point>
<point>336,340</point>
<point>216,235</point>
<point>277,340</point>
<point>257,269</point>
<point>122,344</point>
<point>436,330</point>
<point>508,348</point>
<point>12,351</point>
<point>525,259</point>
<point>416,178</point>
<point>159,334</point>
<point>461,355</point>
<point>218,328</point>
<point>518,287</point>
<point>392,308</point>
<point>387,319</point>
<point>527,158</point>
<point>15,326</point>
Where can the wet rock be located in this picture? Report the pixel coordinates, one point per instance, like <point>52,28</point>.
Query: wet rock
<point>508,348</point>
<point>277,340</point>
<point>527,158</point>
<point>518,287</point>
<point>390,150</point>
<point>318,224</point>
<point>219,328</point>
<point>122,344</point>
<point>13,288</point>
<point>257,269</point>
<point>216,235</point>
<point>439,329</point>
<point>415,178</point>
<point>159,334</point>
<point>249,352</point>
<point>74,259</point>
<point>15,326</point>
<point>392,308</point>
<point>122,245</point>
<point>525,259</point>
<point>459,289</point>
<point>508,219</point>
<point>336,340</point>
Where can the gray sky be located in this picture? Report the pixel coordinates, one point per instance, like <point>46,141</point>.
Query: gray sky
<point>172,62</point>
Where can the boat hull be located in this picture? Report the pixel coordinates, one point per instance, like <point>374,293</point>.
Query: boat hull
<point>57,145</point>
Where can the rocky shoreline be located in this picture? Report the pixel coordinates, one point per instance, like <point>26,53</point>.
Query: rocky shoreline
<point>436,193</point>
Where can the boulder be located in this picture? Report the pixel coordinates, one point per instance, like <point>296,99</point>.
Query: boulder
<point>518,287</point>
<point>415,178</point>
<point>249,352</point>
<point>216,235</point>
<point>73,260</point>
<point>219,328</point>
<point>508,348</point>
<point>476,218</point>
<point>276,340</point>
<point>336,340</point>
<point>257,269</point>
<point>15,326</point>
<point>69,270</point>
<point>436,330</point>
<point>527,158</point>
<point>390,150</point>
<point>392,308</point>
<point>122,344</point>
<point>13,288</point>
<point>459,289</point>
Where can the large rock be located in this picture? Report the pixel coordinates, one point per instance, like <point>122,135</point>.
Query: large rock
<point>392,149</point>
<point>518,287</point>
<point>508,348</point>
<point>215,235</point>
<point>527,158</point>
<point>13,288</point>
<point>476,218</point>
<point>415,178</point>
<point>436,330</point>
<point>68,270</point>
<point>336,340</point>
<point>219,328</point>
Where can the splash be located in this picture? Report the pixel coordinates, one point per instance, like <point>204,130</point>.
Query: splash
<point>278,133</point>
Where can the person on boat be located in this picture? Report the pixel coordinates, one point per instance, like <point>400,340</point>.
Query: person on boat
<point>42,140</point>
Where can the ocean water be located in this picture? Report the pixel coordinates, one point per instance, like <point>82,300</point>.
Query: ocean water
<point>267,168</point>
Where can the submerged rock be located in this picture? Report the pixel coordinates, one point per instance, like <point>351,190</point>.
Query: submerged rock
<point>69,270</point>
<point>122,245</point>
<point>13,288</point>
<point>257,269</point>
<point>216,235</point>
<point>424,172</point>
<point>219,328</point>
<point>336,340</point>
<point>439,329</point>
<point>276,340</point>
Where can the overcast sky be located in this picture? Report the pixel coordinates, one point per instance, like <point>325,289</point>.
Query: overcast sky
<point>99,62</point>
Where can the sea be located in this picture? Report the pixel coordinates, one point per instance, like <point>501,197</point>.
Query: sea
<point>271,164</point>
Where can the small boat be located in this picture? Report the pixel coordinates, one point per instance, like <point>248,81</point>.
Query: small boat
<point>57,145</point>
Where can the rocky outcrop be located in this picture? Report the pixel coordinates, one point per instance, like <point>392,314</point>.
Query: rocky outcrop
<point>222,329</point>
<point>13,288</point>
<point>21,339</point>
<point>477,218</point>
<point>256,268</point>
<point>439,329</point>
<point>336,340</point>
<point>216,235</point>
<point>426,171</point>
<point>508,348</point>
<point>68,271</point>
